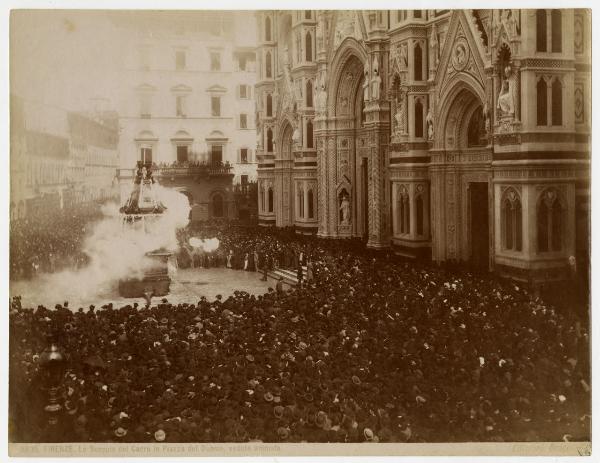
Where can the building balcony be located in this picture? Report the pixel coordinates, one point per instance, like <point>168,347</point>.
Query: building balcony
<point>183,170</point>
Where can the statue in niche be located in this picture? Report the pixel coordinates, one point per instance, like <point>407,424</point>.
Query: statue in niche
<point>375,84</point>
<point>400,115</point>
<point>487,118</point>
<point>344,208</point>
<point>508,19</point>
<point>366,85</point>
<point>506,98</point>
<point>296,138</point>
<point>429,121</point>
<point>403,56</point>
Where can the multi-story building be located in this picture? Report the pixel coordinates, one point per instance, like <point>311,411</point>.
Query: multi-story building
<point>460,135</point>
<point>59,158</point>
<point>188,103</point>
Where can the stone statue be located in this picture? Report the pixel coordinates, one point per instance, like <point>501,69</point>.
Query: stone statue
<point>506,98</point>
<point>400,113</point>
<point>366,85</point>
<point>344,210</point>
<point>486,118</point>
<point>375,84</point>
<point>429,122</point>
<point>403,56</point>
<point>321,95</point>
<point>296,135</point>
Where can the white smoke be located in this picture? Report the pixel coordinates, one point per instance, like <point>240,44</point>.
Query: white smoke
<point>207,245</point>
<point>118,250</point>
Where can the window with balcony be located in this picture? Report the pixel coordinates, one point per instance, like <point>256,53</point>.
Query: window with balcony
<point>216,155</point>
<point>242,63</point>
<point>182,153</point>
<point>146,154</point>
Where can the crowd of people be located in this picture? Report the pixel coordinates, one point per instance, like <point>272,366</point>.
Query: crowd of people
<point>372,349</point>
<point>50,241</point>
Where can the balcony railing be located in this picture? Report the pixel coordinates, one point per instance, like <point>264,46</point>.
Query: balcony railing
<point>182,170</point>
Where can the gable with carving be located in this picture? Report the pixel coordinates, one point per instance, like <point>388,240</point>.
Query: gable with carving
<point>462,54</point>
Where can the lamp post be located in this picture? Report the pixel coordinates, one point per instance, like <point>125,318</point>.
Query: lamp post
<point>53,363</point>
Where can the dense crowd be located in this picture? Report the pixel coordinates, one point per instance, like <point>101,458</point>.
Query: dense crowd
<point>50,241</point>
<point>373,349</point>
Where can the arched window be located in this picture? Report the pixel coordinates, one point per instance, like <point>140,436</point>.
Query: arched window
<point>270,199</point>
<point>217,206</point>
<point>512,218</point>
<point>262,198</point>
<point>269,141</point>
<point>556,102</point>
<point>420,216</point>
<point>309,134</point>
<point>268,29</point>
<point>403,211</point>
<point>269,72</point>
<point>549,222</point>
<point>542,102</point>
<point>556,31</point>
<point>418,119</point>
<point>541,30</point>
<point>309,94</point>
<point>418,62</point>
<point>300,202</point>
<point>311,206</point>
<point>308,42</point>
<point>269,105</point>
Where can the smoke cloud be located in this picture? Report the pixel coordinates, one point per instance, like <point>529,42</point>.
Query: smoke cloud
<point>118,250</point>
<point>207,245</point>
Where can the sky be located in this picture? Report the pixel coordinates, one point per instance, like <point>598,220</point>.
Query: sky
<point>65,58</point>
<point>62,58</point>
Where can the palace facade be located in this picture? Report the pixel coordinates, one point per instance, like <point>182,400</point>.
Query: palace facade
<point>455,135</point>
<point>186,104</point>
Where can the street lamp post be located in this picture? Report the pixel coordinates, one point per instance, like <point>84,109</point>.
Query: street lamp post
<point>53,363</point>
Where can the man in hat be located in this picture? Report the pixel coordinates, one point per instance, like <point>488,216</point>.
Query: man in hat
<point>279,286</point>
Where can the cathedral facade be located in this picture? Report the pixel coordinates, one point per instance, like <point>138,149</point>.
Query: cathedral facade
<point>454,135</point>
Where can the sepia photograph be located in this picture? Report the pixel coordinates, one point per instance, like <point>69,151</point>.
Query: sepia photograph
<point>269,232</point>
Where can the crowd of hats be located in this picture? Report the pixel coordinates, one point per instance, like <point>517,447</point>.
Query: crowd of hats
<point>375,349</point>
<point>51,240</point>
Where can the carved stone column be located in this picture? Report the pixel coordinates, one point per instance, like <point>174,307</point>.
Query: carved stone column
<point>378,124</point>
